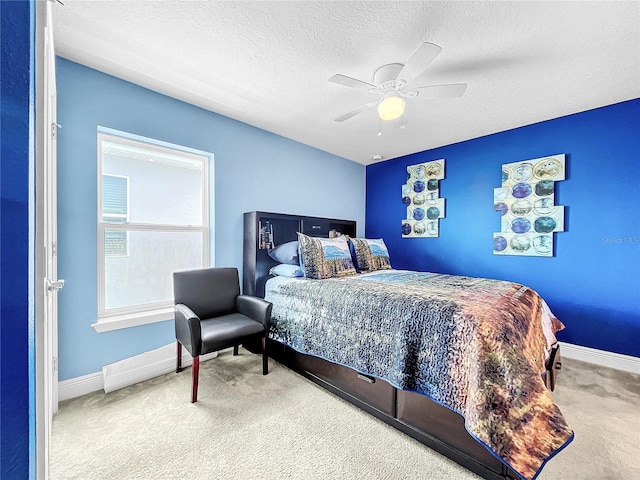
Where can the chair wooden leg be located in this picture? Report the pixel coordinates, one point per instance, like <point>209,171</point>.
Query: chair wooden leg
<point>195,369</point>
<point>179,358</point>
<point>265,358</point>
<point>235,350</point>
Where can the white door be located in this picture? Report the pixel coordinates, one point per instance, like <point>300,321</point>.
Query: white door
<point>50,233</point>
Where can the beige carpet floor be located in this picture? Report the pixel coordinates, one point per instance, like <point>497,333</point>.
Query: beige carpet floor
<point>282,426</point>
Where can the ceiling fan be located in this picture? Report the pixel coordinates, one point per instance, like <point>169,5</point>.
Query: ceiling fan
<point>395,82</point>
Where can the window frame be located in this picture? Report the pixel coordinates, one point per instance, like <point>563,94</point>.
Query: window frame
<point>124,317</point>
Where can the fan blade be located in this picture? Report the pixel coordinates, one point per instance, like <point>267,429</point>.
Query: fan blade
<point>355,112</point>
<point>352,82</point>
<point>419,61</point>
<point>451,90</point>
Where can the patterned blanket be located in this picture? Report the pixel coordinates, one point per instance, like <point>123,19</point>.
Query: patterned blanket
<point>476,346</point>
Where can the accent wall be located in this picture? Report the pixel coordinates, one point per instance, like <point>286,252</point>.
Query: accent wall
<point>17,300</point>
<point>253,170</point>
<point>592,283</point>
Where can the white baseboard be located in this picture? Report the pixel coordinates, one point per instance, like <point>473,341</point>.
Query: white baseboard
<point>618,361</point>
<point>78,386</point>
<point>127,372</point>
<point>145,366</point>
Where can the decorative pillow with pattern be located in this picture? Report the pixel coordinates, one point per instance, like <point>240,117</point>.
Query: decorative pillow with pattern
<point>370,254</point>
<point>325,257</point>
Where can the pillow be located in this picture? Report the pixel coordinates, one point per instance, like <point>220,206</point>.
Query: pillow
<point>370,254</point>
<point>285,253</point>
<point>325,257</point>
<point>286,270</point>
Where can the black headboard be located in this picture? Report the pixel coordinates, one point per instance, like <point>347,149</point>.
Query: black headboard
<point>263,230</point>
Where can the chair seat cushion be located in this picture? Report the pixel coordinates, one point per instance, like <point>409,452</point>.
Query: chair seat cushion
<point>225,331</point>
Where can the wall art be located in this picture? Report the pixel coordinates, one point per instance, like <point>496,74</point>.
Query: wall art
<point>526,202</point>
<point>421,196</point>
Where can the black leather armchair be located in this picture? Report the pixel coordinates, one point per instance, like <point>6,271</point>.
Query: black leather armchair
<point>210,315</point>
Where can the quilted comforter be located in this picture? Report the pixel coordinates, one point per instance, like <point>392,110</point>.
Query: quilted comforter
<point>474,345</point>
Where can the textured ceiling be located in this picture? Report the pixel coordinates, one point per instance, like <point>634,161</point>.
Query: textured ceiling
<point>267,63</point>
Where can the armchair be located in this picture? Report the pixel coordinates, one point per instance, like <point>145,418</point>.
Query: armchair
<point>210,315</point>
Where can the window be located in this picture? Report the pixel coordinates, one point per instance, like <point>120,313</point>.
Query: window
<point>153,220</point>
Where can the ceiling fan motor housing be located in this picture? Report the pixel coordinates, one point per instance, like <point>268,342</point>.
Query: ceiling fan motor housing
<point>385,77</point>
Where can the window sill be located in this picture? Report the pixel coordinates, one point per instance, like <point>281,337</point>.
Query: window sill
<point>117,322</point>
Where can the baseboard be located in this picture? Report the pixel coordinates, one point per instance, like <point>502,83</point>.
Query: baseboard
<point>618,361</point>
<point>127,372</point>
<point>145,366</point>
<point>78,386</point>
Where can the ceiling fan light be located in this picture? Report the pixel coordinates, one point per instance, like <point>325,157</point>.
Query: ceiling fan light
<point>391,108</point>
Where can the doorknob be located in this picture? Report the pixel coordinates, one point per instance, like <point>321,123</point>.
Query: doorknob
<point>55,286</point>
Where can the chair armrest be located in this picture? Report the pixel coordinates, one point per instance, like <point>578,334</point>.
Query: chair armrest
<point>255,308</point>
<point>188,330</point>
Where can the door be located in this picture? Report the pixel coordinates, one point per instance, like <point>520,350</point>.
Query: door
<point>52,284</point>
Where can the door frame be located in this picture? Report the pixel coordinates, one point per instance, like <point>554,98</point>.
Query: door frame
<point>46,327</point>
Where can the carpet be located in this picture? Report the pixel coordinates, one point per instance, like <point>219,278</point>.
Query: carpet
<point>283,426</point>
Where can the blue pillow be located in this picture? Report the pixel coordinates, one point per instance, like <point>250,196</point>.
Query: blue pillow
<point>285,270</point>
<point>325,257</point>
<point>370,254</point>
<point>286,253</point>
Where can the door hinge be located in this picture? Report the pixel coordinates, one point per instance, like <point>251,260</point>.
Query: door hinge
<point>54,129</point>
<point>54,364</point>
<point>54,248</point>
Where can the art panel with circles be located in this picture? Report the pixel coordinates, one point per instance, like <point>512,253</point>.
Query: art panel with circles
<point>421,196</point>
<point>526,202</point>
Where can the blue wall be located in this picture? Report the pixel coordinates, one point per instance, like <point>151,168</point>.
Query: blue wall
<point>254,170</point>
<point>17,396</point>
<point>593,282</point>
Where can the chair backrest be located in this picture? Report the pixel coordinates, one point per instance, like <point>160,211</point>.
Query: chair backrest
<point>209,292</point>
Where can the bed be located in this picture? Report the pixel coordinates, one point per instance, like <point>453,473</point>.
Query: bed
<point>462,364</point>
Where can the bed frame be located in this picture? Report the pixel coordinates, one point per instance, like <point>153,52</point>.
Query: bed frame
<point>416,415</point>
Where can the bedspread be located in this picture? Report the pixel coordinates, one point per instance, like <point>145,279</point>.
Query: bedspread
<point>476,346</point>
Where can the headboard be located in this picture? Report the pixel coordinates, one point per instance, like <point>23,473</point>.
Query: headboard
<point>263,230</point>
